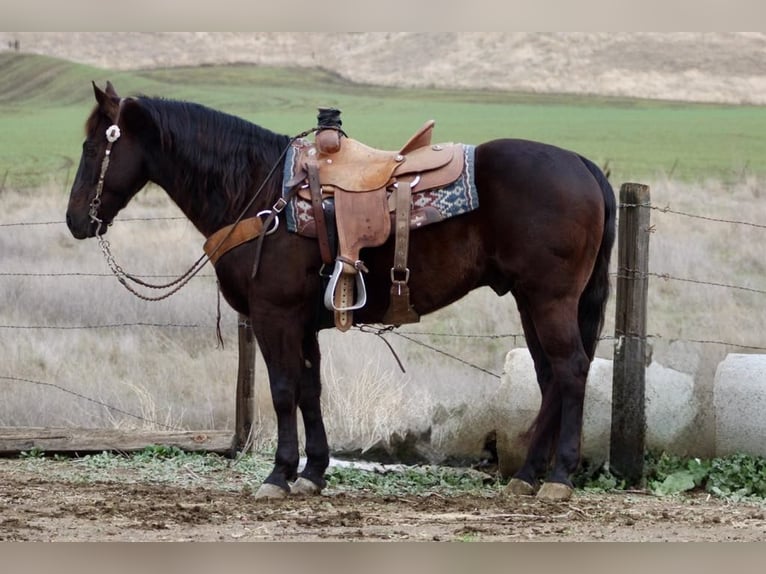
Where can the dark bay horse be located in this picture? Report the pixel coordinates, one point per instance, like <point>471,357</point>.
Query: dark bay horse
<point>543,230</point>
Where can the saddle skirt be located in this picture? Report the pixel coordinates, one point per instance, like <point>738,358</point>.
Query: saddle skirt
<point>436,196</point>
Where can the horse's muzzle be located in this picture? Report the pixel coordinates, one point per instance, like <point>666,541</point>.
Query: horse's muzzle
<point>82,227</point>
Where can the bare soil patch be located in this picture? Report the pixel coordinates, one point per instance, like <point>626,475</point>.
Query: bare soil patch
<point>40,505</point>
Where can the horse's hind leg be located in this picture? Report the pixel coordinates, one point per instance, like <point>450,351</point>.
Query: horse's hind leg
<point>559,337</point>
<point>543,431</point>
<point>311,480</point>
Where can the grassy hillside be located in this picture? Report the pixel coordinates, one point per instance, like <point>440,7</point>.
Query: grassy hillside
<point>44,102</point>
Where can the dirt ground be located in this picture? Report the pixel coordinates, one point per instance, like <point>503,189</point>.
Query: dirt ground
<point>39,505</point>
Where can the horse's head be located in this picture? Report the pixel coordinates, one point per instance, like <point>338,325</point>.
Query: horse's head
<point>102,187</point>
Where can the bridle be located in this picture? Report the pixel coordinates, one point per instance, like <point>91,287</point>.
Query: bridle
<point>113,133</point>
<point>271,223</point>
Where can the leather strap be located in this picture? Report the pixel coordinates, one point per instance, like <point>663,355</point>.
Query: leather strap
<point>399,310</point>
<point>316,204</point>
<point>344,297</point>
<point>402,229</point>
<point>231,236</point>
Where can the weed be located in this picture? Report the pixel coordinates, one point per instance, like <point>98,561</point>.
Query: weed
<point>158,451</point>
<point>738,476</point>
<point>734,477</point>
<point>415,480</point>
<point>34,452</point>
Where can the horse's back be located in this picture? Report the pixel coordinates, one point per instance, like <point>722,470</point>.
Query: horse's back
<point>532,166</point>
<point>536,181</point>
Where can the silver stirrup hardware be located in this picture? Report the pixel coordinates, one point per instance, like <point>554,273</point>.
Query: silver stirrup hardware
<point>329,294</point>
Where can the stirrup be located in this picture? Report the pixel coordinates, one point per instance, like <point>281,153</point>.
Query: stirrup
<point>329,294</point>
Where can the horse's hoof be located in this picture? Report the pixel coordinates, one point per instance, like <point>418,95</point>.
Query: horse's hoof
<point>304,487</point>
<point>270,491</point>
<point>520,487</point>
<point>555,492</point>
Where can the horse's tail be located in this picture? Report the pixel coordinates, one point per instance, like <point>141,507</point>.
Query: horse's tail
<point>590,313</point>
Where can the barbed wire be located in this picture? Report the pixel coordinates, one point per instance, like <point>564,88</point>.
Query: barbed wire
<point>31,223</point>
<point>710,342</point>
<point>672,340</point>
<point>667,209</point>
<point>602,338</point>
<point>89,399</point>
<point>83,274</point>
<point>122,219</point>
<point>464,335</point>
<point>386,330</point>
<point>636,274</point>
<point>104,326</point>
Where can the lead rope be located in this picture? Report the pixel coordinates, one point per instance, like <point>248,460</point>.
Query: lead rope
<point>112,135</point>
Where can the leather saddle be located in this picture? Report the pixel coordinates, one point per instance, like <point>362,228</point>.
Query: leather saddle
<point>367,185</point>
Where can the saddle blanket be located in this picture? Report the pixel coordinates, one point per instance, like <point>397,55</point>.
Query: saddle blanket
<point>428,206</point>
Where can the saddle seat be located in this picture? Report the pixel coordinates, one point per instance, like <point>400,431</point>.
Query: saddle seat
<point>357,168</point>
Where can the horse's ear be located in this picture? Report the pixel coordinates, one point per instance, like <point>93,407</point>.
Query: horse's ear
<point>110,91</point>
<point>109,101</point>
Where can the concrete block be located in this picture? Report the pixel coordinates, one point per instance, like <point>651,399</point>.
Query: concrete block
<point>739,398</point>
<point>671,410</point>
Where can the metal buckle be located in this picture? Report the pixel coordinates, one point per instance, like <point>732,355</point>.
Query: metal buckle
<point>279,205</point>
<point>406,275</point>
<point>275,223</point>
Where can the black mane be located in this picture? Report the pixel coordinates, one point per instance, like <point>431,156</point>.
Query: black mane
<point>223,158</point>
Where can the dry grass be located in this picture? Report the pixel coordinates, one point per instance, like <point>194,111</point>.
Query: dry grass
<point>177,376</point>
<point>686,66</point>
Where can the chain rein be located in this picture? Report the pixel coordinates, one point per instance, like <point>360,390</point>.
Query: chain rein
<point>112,135</point>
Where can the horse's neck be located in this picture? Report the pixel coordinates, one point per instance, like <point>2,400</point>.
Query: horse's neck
<point>204,197</point>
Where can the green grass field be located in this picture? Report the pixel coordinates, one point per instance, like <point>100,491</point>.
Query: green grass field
<point>44,102</point>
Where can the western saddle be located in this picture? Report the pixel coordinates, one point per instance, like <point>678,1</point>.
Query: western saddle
<point>366,186</point>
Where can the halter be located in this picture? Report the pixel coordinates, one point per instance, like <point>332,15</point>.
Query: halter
<point>112,135</point>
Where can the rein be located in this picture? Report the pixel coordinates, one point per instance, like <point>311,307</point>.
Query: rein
<point>112,135</point>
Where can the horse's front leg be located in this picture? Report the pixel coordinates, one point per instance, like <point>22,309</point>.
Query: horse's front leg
<point>312,480</point>
<point>279,339</point>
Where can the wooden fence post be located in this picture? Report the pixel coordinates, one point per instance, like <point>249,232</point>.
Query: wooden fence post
<point>245,383</point>
<point>628,432</point>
